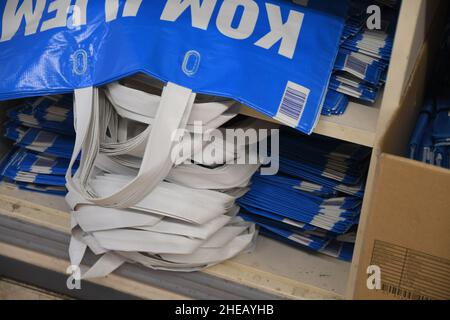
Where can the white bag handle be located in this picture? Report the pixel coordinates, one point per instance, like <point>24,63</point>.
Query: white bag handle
<point>224,177</point>
<point>145,241</point>
<point>169,200</point>
<point>142,107</point>
<point>173,112</point>
<point>174,227</point>
<point>200,258</point>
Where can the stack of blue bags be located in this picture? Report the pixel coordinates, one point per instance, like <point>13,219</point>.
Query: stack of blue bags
<point>430,142</point>
<point>43,136</point>
<point>315,200</point>
<point>362,62</point>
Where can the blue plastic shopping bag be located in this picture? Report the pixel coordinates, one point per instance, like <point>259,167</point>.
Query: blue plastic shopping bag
<point>275,56</point>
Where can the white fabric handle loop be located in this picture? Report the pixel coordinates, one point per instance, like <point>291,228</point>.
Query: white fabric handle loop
<point>130,202</point>
<point>172,114</point>
<point>142,107</point>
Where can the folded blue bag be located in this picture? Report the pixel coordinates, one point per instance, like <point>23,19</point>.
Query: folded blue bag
<point>277,196</point>
<point>363,67</point>
<point>320,147</point>
<point>39,140</point>
<point>13,169</point>
<point>359,90</point>
<point>375,43</point>
<point>288,225</point>
<point>310,242</point>
<point>426,153</point>
<point>293,169</point>
<point>287,185</point>
<point>359,44</point>
<point>362,62</point>
<point>343,162</point>
<point>53,190</point>
<point>315,189</point>
<point>419,131</point>
<point>430,141</point>
<point>35,118</point>
<point>340,250</point>
<point>28,161</point>
<point>252,213</point>
<point>307,203</point>
<point>330,221</point>
<point>441,126</point>
<point>335,103</point>
<point>275,56</point>
<point>353,26</point>
<point>327,162</point>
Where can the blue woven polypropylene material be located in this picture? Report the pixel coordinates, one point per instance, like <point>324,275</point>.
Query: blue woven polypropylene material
<point>29,161</point>
<point>39,140</point>
<point>441,126</point>
<point>341,250</point>
<point>337,215</point>
<point>360,89</point>
<point>275,56</point>
<point>335,103</point>
<point>17,167</point>
<point>369,71</point>
<point>316,197</point>
<point>53,190</point>
<point>419,131</point>
<point>44,113</point>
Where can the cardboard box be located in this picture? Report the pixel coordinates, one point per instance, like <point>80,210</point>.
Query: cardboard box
<point>408,234</point>
<point>406,241</point>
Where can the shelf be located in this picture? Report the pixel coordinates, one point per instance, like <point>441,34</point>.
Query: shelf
<point>273,268</point>
<point>12,290</point>
<point>357,125</point>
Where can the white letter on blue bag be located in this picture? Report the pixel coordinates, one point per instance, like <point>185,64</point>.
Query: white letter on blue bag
<point>248,19</point>
<point>60,19</point>
<point>288,32</point>
<point>130,10</point>
<point>201,14</point>
<point>111,10</point>
<point>77,14</point>
<point>12,17</point>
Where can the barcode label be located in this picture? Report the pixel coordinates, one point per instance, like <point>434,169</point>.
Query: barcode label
<point>402,293</point>
<point>292,104</point>
<point>356,66</point>
<point>411,274</point>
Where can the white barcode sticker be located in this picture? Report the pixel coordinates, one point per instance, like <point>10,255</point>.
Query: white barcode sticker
<point>356,66</point>
<point>292,104</point>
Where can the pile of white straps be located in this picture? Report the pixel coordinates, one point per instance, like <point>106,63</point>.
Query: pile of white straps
<point>131,202</point>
